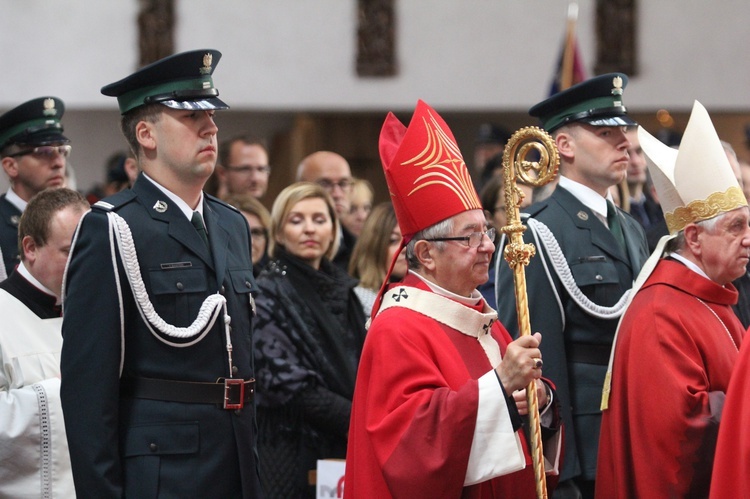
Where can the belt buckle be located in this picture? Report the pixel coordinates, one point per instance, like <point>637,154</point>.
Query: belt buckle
<point>234,387</point>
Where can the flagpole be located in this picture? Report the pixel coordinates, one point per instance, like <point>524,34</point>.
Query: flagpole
<point>518,254</point>
<point>566,80</point>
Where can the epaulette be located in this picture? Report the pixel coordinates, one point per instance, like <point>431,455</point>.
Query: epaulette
<point>534,209</point>
<point>114,202</point>
<point>216,200</point>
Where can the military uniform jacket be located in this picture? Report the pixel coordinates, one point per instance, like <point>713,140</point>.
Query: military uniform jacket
<point>575,345</point>
<point>9,216</point>
<point>135,447</point>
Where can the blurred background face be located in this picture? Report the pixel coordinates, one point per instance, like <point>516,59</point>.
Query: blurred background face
<point>332,172</point>
<point>308,231</point>
<point>483,152</point>
<point>400,268</point>
<point>248,170</point>
<point>360,206</point>
<point>33,172</point>
<point>636,159</point>
<point>259,236</point>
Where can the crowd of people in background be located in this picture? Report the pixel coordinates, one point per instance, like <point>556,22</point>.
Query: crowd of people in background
<point>308,277</point>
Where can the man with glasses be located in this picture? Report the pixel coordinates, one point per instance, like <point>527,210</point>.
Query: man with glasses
<point>243,166</point>
<point>439,380</point>
<point>588,254</point>
<point>332,172</point>
<point>33,151</point>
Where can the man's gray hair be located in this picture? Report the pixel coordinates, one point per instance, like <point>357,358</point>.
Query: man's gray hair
<point>677,245</point>
<point>440,229</point>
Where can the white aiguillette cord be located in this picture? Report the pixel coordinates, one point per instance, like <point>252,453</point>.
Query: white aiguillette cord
<point>566,276</point>
<point>210,309</point>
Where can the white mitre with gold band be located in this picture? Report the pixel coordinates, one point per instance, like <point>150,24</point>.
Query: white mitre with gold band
<point>695,182</point>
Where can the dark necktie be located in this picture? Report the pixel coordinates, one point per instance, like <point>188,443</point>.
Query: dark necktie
<point>613,220</point>
<point>197,222</point>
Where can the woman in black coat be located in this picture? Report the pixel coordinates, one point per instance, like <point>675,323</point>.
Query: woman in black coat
<point>308,338</point>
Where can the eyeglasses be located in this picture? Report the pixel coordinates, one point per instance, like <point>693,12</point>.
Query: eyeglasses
<point>45,152</point>
<point>259,232</point>
<point>344,184</point>
<point>246,169</point>
<point>473,240</point>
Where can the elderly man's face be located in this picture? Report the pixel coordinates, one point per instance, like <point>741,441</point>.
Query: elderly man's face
<point>725,250</point>
<point>459,268</point>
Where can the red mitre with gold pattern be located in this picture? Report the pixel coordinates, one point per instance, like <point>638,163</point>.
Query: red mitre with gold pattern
<point>427,177</point>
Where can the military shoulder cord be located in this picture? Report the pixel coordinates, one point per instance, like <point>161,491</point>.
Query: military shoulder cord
<point>212,306</point>
<point>3,273</point>
<point>542,232</point>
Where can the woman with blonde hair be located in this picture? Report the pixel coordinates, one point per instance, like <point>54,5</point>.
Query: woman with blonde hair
<point>373,254</point>
<point>308,337</point>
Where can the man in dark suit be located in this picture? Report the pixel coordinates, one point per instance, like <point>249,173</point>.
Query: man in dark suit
<point>598,255</point>
<point>32,151</point>
<point>157,367</point>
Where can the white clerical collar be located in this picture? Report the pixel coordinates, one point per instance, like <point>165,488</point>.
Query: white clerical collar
<point>16,201</point>
<point>691,265</point>
<point>181,204</point>
<point>34,282</point>
<point>589,197</point>
<point>471,301</point>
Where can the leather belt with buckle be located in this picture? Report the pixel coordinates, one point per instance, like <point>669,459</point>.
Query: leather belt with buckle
<point>229,393</point>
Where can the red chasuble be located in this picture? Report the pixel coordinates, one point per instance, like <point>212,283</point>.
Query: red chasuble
<point>675,352</point>
<point>429,417</point>
<point>732,462</point>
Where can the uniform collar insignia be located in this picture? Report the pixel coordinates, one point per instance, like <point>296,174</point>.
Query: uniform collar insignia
<point>160,206</point>
<point>583,215</point>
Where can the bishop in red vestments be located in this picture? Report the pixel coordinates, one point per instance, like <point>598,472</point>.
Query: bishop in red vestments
<point>434,411</point>
<point>678,341</point>
<point>732,459</point>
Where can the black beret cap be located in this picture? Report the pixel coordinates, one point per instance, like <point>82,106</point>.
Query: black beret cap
<point>596,101</point>
<point>179,81</point>
<point>36,122</point>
